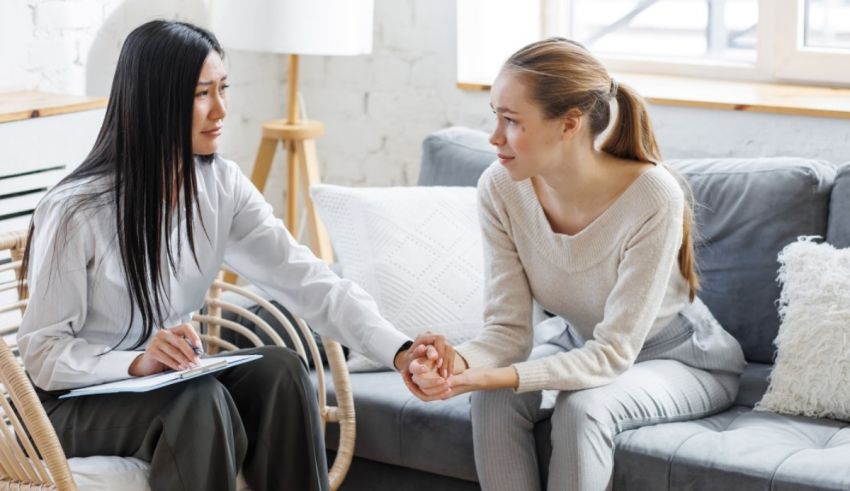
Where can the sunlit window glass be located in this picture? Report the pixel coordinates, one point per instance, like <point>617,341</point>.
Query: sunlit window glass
<point>827,24</point>
<point>694,29</point>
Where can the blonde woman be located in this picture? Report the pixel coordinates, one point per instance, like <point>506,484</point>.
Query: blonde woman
<point>600,236</point>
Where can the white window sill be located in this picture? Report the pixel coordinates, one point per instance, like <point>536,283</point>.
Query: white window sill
<point>667,90</point>
<point>16,106</point>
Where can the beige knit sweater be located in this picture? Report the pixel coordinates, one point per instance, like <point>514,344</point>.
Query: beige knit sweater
<point>617,282</point>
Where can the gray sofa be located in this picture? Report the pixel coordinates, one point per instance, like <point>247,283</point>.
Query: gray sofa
<point>748,210</point>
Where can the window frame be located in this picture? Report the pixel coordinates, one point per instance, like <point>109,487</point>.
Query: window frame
<point>792,60</point>
<point>780,54</point>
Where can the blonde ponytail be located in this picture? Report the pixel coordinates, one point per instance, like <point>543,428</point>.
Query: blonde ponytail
<point>631,137</point>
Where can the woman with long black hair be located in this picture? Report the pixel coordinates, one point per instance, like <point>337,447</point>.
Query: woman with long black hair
<point>123,250</point>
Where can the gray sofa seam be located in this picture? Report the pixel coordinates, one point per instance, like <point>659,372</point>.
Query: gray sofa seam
<point>686,440</point>
<point>837,431</point>
<point>779,466</point>
<point>401,425</point>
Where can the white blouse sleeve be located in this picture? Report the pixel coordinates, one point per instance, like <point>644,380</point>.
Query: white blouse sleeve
<point>260,248</point>
<point>53,355</point>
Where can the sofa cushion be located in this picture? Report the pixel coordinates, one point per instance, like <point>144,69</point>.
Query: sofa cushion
<point>747,211</point>
<point>108,473</point>
<point>838,233</point>
<point>394,427</point>
<point>738,449</point>
<point>455,156</point>
<point>416,250</point>
<point>811,376</point>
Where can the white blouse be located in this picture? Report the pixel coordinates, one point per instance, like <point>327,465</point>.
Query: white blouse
<point>79,306</point>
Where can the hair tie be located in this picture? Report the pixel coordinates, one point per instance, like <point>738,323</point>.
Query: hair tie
<point>614,87</point>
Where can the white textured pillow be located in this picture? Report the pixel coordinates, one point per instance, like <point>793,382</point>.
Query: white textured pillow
<point>106,473</point>
<point>811,376</point>
<point>416,250</point>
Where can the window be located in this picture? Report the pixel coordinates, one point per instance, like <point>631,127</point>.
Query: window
<point>812,40</point>
<point>737,39</point>
<point>827,24</point>
<point>689,29</point>
<point>488,31</point>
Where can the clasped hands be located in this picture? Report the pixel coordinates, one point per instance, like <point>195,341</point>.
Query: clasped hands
<point>432,370</point>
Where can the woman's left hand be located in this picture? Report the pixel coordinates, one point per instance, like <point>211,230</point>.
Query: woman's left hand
<point>483,379</point>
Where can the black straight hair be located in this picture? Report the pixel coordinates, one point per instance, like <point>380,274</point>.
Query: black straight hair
<point>143,154</point>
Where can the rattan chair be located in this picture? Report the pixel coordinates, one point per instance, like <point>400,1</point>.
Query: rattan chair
<point>31,457</point>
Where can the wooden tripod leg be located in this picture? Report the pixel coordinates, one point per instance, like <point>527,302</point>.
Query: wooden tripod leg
<point>292,188</point>
<point>263,162</point>
<point>309,163</point>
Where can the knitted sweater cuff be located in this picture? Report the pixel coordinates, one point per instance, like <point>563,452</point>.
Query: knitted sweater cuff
<point>533,376</point>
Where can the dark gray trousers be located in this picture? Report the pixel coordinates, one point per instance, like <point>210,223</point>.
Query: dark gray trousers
<point>261,417</point>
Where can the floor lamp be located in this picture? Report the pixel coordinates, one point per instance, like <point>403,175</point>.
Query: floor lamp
<point>295,28</point>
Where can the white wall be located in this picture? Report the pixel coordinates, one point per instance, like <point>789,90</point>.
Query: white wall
<point>72,46</point>
<point>376,108</point>
<point>688,132</point>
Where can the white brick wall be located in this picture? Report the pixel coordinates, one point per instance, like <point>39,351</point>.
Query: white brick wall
<point>376,108</point>
<point>45,55</point>
<point>71,46</point>
<point>402,91</point>
<point>53,15</point>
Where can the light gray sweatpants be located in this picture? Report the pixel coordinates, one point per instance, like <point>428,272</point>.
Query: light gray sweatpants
<point>687,371</point>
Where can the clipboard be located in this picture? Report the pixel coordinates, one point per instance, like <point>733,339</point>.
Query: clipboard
<point>159,380</point>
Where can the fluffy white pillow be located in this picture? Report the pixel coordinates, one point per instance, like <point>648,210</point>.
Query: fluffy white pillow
<point>811,376</point>
<point>416,250</point>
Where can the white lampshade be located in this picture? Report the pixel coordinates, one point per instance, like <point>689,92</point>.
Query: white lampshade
<point>303,27</point>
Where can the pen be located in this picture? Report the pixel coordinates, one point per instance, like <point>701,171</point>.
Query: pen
<point>196,349</point>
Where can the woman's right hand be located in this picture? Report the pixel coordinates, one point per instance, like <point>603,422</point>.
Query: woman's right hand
<point>170,348</point>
